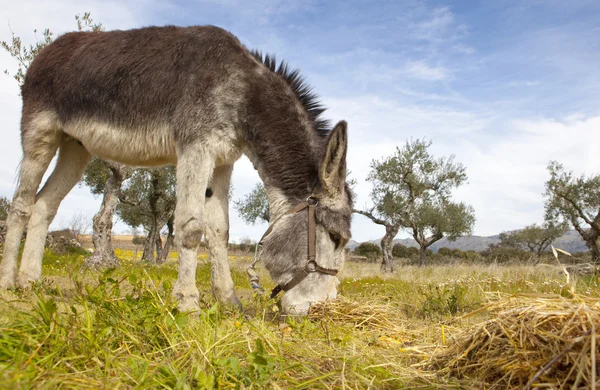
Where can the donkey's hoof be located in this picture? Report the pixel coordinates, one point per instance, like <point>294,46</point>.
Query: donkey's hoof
<point>233,302</point>
<point>188,301</point>
<point>6,283</point>
<point>188,306</point>
<point>227,297</point>
<point>25,281</point>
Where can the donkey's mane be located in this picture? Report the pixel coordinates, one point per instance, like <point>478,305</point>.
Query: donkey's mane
<point>304,92</point>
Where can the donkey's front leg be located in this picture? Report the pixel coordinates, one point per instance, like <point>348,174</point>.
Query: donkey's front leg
<point>194,168</point>
<point>217,235</point>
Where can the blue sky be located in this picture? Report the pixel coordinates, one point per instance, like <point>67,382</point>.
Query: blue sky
<point>505,86</point>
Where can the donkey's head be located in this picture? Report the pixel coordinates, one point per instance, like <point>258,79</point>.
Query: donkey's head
<point>305,247</point>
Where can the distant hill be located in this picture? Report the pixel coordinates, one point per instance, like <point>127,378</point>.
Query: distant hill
<point>570,241</point>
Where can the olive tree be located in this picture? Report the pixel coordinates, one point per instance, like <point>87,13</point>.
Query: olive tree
<point>534,238</point>
<point>4,207</point>
<point>148,199</point>
<point>254,207</point>
<point>411,190</point>
<point>576,200</point>
<point>104,178</point>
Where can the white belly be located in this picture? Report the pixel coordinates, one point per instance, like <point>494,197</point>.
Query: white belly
<point>149,146</point>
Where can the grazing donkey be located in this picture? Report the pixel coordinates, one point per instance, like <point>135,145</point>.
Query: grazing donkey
<point>197,98</point>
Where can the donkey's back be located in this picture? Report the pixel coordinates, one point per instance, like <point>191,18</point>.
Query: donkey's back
<point>129,96</point>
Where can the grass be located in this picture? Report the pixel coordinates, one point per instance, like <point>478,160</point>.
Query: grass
<point>121,329</point>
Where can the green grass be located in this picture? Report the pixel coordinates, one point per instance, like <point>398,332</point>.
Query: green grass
<point>121,329</point>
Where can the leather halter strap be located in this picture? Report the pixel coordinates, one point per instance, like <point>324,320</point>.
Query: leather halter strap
<point>311,265</point>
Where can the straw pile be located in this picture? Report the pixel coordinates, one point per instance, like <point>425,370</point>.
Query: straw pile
<point>363,315</point>
<point>543,342</point>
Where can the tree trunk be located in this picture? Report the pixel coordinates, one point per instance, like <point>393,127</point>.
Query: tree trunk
<point>537,256</point>
<point>387,260</point>
<point>591,237</point>
<point>148,254</point>
<point>422,255</point>
<point>104,255</point>
<point>595,249</point>
<point>424,242</point>
<point>154,231</point>
<point>165,251</point>
<point>159,247</point>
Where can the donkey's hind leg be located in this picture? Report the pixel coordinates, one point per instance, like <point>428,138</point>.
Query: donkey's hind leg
<point>216,211</point>
<point>40,139</point>
<point>72,160</point>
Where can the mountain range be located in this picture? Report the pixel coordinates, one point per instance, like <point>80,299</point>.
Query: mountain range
<point>570,241</point>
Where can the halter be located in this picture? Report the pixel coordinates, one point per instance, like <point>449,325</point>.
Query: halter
<point>311,263</point>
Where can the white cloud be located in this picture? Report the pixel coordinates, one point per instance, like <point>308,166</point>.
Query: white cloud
<point>435,25</point>
<point>524,83</point>
<point>461,48</point>
<point>422,70</point>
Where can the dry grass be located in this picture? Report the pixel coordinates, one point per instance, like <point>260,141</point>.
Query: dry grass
<point>543,342</point>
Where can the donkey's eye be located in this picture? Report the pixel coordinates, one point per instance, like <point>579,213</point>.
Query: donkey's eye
<point>336,239</point>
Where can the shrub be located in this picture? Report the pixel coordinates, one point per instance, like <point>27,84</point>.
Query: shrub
<point>500,254</point>
<point>404,251</point>
<point>369,250</point>
<point>138,240</point>
<point>445,252</point>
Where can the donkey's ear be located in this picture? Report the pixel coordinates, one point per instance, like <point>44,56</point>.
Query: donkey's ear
<point>332,172</point>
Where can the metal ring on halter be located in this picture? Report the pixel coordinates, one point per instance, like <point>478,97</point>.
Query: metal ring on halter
<point>311,200</point>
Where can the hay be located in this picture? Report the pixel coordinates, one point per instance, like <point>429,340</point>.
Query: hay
<point>541,342</point>
<point>363,315</point>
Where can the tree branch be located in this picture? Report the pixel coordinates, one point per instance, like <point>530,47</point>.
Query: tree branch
<point>578,209</point>
<point>373,218</point>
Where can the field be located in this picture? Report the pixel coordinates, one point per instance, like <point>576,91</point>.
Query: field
<point>120,329</point>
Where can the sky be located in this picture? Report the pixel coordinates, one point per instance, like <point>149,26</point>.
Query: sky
<point>504,86</point>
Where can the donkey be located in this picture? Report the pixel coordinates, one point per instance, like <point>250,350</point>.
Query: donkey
<point>197,98</point>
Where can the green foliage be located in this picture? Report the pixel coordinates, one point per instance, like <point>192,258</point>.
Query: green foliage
<point>534,238</point>
<point>86,23</point>
<point>412,179</point>
<point>403,251</point>
<point>254,207</point>
<point>576,200</point>
<point>369,250</point>
<point>445,252</point>
<point>96,175</point>
<point>504,254</point>
<point>24,54</point>
<point>245,245</point>
<point>412,189</point>
<point>4,208</point>
<point>148,197</point>
<point>444,299</point>
<point>138,240</point>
